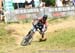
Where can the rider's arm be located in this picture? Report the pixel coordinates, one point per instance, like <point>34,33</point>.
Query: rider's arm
<point>36,20</point>
<point>45,27</point>
<point>46,24</point>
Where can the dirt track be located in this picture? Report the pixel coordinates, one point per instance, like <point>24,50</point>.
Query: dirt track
<point>19,30</point>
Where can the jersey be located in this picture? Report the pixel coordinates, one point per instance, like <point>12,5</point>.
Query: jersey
<point>40,21</point>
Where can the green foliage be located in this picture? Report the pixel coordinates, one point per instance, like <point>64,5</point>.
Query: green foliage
<point>50,2</point>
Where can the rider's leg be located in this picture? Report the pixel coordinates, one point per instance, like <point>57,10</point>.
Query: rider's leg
<point>43,37</point>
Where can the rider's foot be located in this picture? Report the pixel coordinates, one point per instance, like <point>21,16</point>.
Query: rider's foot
<point>42,39</point>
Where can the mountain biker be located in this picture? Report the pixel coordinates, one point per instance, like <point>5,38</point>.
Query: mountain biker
<point>41,24</point>
<point>38,24</point>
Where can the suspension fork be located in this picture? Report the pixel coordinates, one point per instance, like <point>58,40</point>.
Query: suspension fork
<point>29,35</point>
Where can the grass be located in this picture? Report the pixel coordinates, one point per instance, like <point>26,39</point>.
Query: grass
<point>59,19</point>
<point>50,20</point>
<point>5,39</point>
<point>62,39</point>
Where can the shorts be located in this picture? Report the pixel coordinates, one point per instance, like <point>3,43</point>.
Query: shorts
<point>39,27</point>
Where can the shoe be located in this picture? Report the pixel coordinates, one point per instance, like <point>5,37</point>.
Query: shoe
<point>41,39</point>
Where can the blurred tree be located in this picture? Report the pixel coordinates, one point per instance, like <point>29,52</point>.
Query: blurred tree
<point>49,2</point>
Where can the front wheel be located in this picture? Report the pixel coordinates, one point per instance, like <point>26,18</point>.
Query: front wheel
<point>27,39</point>
<point>25,42</point>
